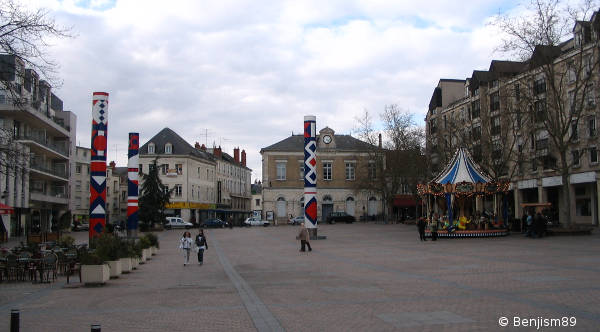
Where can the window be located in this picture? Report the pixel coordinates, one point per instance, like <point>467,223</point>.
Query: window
<point>193,191</point>
<point>281,171</point>
<point>123,196</point>
<point>78,169</point>
<point>179,169</point>
<point>372,170</point>
<point>301,169</point>
<point>592,126</point>
<point>151,148</point>
<point>476,133</point>
<point>116,186</point>
<point>178,190</point>
<point>495,130</point>
<point>533,164</point>
<point>165,188</point>
<point>168,148</point>
<point>575,156</point>
<point>540,110</point>
<point>164,168</point>
<point>590,96</point>
<point>494,84</point>
<point>495,101</point>
<point>350,171</point>
<point>593,155</point>
<point>140,169</point>
<point>327,170</point>
<point>574,131</point>
<point>432,126</point>
<point>257,202</point>
<point>475,108</point>
<point>539,86</point>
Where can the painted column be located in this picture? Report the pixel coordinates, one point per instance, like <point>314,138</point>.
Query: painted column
<point>310,174</point>
<point>98,163</point>
<point>132,184</point>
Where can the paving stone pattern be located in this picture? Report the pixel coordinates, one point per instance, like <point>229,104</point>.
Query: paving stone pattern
<point>364,277</point>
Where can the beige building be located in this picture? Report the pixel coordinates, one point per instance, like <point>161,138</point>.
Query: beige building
<point>505,115</point>
<point>206,183</point>
<point>35,180</point>
<point>341,161</point>
<point>80,189</point>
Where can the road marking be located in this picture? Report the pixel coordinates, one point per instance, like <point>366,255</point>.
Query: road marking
<point>263,319</point>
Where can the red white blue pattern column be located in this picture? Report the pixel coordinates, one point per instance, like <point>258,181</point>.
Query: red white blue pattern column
<point>98,163</point>
<point>132,183</point>
<point>310,171</point>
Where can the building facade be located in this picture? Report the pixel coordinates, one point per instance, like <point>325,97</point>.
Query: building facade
<point>37,152</point>
<point>341,161</point>
<point>206,183</point>
<point>516,117</point>
<point>80,190</point>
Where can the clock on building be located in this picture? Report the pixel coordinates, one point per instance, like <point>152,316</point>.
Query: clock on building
<point>326,139</point>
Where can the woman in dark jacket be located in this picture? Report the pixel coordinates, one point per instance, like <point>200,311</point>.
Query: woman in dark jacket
<point>201,245</point>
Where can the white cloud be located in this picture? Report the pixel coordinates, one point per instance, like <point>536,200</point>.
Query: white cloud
<point>249,71</point>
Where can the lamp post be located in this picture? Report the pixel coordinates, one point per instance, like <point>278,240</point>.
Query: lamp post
<point>364,216</point>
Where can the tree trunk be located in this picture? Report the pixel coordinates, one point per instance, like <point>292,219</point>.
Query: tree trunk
<point>566,212</point>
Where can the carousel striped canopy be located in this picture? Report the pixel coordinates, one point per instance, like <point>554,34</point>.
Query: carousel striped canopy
<point>462,169</point>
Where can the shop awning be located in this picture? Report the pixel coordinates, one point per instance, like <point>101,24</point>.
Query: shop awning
<point>5,209</point>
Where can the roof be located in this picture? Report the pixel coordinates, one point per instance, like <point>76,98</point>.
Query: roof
<point>120,170</point>
<point>462,169</point>
<point>180,146</point>
<point>507,67</point>
<point>342,142</point>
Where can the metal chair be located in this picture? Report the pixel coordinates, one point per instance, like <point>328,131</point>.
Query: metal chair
<point>49,265</point>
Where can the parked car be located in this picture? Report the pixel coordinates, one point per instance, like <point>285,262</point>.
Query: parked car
<point>296,220</point>
<point>215,222</point>
<point>176,222</point>
<point>340,217</point>
<point>77,226</point>
<point>253,221</point>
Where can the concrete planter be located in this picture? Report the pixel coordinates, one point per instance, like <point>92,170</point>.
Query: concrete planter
<point>115,268</point>
<point>148,253</point>
<point>135,262</point>
<point>95,274</point>
<point>144,258</point>
<point>126,264</point>
<point>154,250</point>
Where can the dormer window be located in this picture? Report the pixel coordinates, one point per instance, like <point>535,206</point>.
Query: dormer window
<point>168,148</point>
<point>151,148</point>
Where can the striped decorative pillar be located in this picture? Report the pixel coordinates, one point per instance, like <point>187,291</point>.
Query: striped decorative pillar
<point>310,174</point>
<point>132,184</point>
<point>98,163</point>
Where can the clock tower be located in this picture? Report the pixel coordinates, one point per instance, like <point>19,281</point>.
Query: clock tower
<point>326,138</point>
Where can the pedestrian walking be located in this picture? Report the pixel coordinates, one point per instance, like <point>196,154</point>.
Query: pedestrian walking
<point>529,224</point>
<point>421,227</point>
<point>304,238</point>
<point>433,229</point>
<point>201,245</point>
<point>185,244</point>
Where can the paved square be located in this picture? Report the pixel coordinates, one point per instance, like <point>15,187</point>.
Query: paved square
<point>364,277</point>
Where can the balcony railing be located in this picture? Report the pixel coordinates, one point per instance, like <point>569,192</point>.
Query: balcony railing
<point>42,141</point>
<point>43,168</point>
<point>34,106</point>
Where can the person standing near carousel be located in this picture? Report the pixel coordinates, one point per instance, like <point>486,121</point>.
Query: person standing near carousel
<point>433,227</point>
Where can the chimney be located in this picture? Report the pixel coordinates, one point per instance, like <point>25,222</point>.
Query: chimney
<point>197,146</point>
<point>217,152</point>
<point>113,165</point>
<point>236,155</point>
<point>244,158</point>
<point>203,147</point>
<point>380,141</point>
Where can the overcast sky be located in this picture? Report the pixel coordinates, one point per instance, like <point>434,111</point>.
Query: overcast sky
<point>246,72</point>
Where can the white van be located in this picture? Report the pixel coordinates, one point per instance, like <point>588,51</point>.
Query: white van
<point>177,222</point>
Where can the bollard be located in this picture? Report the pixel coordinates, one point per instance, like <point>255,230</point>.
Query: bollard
<point>96,328</point>
<point>14,320</point>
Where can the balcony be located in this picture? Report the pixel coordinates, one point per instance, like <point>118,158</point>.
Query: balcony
<point>56,198</point>
<point>61,151</point>
<point>23,110</point>
<point>48,172</point>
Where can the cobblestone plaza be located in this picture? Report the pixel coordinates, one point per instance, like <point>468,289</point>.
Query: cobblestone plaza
<point>363,277</point>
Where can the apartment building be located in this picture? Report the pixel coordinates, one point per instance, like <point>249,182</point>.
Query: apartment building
<point>38,146</point>
<point>206,183</point>
<point>515,117</point>
<point>80,190</point>
<point>341,161</point>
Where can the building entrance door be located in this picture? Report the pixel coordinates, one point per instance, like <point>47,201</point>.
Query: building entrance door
<point>326,210</point>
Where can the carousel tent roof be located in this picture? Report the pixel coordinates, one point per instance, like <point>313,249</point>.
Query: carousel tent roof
<point>462,169</point>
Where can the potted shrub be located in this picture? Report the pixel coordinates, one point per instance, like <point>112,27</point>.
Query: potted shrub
<point>66,241</point>
<point>153,239</point>
<point>125,256</point>
<point>135,251</point>
<point>94,271</point>
<point>108,248</point>
<point>144,244</point>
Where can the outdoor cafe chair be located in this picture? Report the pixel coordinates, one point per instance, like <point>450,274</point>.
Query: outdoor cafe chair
<point>48,266</point>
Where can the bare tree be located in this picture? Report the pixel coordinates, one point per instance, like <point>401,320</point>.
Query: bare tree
<point>557,90</point>
<point>399,164</point>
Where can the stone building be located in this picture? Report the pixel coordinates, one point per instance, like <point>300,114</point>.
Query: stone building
<point>341,161</point>
<point>505,118</point>
<point>80,190</point>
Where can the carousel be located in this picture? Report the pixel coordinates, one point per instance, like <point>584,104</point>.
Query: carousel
<point>455,200</point>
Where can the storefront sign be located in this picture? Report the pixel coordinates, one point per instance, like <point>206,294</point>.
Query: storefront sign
<point>583,177</point>
<point>190,205</point>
